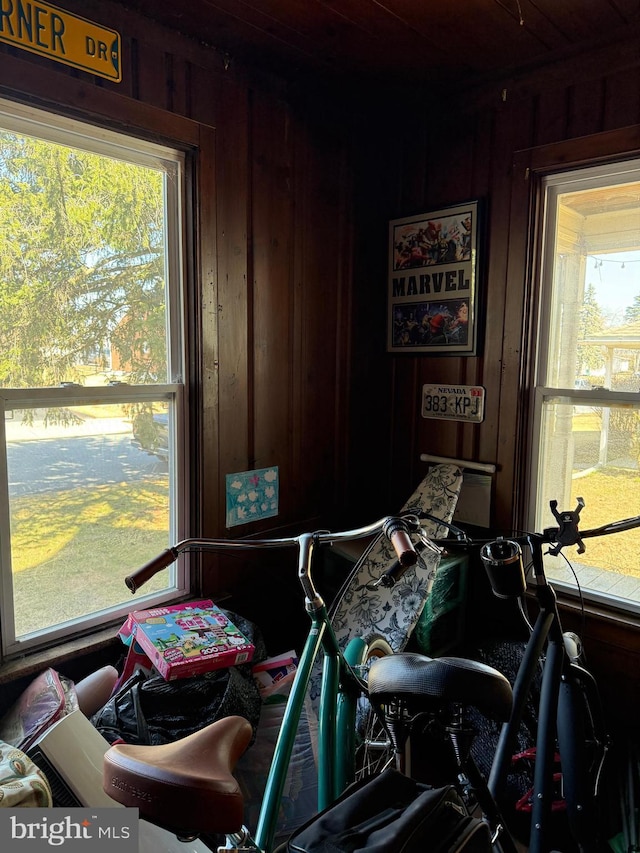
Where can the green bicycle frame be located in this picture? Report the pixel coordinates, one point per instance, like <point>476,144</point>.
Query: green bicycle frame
<point>340,689</point>
<point>342,684</point>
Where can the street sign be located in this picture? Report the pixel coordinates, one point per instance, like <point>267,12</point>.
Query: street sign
<point>453,402</point>
<point>61,36</point>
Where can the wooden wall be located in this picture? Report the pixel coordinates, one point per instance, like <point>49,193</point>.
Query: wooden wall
<point>437,149</point>
<point>268,302</point>
<point>288,304</point>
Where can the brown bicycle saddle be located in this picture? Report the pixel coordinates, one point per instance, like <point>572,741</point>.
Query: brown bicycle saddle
<point>186,786</point>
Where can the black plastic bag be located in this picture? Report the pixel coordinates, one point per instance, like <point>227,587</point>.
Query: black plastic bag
<point>147,709</point>
<point>122,717</point>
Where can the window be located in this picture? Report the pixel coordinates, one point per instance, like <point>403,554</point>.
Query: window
<point>91,372</point>
<point>588,374</point>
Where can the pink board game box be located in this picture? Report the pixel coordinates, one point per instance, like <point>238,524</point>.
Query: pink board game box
<point>184,640</point>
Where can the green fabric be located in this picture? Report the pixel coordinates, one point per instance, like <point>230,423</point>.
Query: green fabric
<point>441,625</point>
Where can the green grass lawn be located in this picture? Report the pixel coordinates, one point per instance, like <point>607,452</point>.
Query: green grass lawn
<point>73,548</point>
<point>609,495</point>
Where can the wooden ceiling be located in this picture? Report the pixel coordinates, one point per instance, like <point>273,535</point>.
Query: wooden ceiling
<point>398,42</point>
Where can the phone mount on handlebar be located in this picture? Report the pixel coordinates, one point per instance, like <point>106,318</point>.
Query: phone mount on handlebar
<point>567,532</point>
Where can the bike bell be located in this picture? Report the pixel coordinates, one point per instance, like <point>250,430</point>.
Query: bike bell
<point>502,561</point>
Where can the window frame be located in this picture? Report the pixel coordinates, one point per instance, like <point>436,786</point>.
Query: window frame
<point>179,236</point>
<point>608,153</point>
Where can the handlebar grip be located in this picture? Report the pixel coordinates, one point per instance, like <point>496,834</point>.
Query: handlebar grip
<point>135,580</point>
<point>396,530</point>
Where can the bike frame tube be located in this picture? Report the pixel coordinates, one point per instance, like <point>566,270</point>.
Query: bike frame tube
<point>490,808</point>
<point>327,719</point>
<point>345,744</point>
<point>274,787</point>
<point>578,785</point>
<point>545,746</point>
<point>335,730</point>
<point>321,636</point>
<point>547,630</point>
<point>340,691</point>
<point>509,732</point>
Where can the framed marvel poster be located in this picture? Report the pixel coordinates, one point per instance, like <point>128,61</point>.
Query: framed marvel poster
<point>433,263</point>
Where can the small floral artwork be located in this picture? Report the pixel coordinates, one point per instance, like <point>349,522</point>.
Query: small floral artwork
<point>252,495</point>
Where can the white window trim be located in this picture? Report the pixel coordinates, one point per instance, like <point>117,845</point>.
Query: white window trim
<point>25,119</point>
<point>552,185</point>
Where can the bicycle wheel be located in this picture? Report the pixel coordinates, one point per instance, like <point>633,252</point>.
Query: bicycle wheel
<point>372,748</point>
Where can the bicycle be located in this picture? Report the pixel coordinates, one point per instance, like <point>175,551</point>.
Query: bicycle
<point>426,702</point>
<point>188,787</point>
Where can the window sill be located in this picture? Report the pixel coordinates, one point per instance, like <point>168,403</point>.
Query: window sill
<point>598,611</point>
<point>71,650</point>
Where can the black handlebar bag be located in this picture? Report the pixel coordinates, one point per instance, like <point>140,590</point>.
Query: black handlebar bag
<point>391,813</point>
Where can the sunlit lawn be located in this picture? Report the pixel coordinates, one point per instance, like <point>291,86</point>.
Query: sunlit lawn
<point>610,495</point>
<point>73,548</point>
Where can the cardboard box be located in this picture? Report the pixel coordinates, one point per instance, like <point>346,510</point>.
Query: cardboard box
<point>184,640</point>
<point>271,671</point>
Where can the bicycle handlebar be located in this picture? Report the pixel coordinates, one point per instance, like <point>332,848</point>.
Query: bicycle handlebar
<point>612,527</point>
<point>502,556</point>
<point>567,533</point>
<point>396,529</point>
<point>162,561</point>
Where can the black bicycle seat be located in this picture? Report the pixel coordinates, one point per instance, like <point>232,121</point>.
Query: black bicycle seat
<point>425,681</point>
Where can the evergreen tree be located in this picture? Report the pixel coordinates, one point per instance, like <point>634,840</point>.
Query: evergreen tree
<point>591,323</point>
<point>81,264</point>
<point>632,313</point>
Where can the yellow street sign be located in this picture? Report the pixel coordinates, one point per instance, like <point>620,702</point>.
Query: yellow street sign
<point>63,37</point>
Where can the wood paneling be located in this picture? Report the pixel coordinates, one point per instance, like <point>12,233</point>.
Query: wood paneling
<point>231,443</point>
<point>321,314</point>
<point>432,47</point>
<point>470,152</point>
<point>274,359</point>
<point>268,306</point>
<point>621,100</point>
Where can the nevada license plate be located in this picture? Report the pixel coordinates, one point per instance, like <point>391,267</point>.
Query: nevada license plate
<point>453,402</point>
